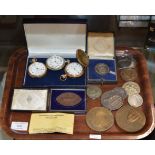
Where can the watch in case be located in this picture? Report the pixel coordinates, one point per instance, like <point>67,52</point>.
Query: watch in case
<point>55,62</point>
<point>37,69</point>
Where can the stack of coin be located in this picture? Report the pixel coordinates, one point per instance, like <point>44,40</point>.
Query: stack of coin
<point>130,119</point>
<point>133,90</point>
<point>99,119</point>
<point>113,99</point>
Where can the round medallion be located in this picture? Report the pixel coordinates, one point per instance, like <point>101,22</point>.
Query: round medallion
<point>131,88</point>
<point>102,69</point>
<point>99,119</point>
<point>120,92</point>
<point>130,119</point>
<point>94,92</point>
<point>114,102</point>
<point>129,74</point>
<point>135,100</point>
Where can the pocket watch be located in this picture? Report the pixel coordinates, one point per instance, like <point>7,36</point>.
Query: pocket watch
<point>55,62</point>
<point>37,69</point>
<point>76,69</point>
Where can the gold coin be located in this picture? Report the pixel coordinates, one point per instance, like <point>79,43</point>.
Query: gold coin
<point>99,119</point>
<point>131,88</point>
<point>129,74</point>
<point>130,119</point>
<point>102,69</point>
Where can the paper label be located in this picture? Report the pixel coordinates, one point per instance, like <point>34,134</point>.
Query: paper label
<point>94,136</point>
<point>51,122</point>
<point>20,126</point>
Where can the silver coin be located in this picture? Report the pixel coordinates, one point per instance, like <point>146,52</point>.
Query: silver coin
<point>94,92</point>
<point>131,88</point>
<point>124,62</point>
<point>112,103</point>
<point>135,100</point>
<point>120,91</point>
<point>107,94</point>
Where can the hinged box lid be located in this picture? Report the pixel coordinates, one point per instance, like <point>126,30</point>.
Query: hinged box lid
<point>101,45</point>
<point>44,39</point>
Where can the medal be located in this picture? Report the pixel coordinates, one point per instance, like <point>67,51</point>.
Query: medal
<point>99,119</point>
<point>94,92</point>
<point>68,99</point>
<point>130,119</point>
<point>131,88</point>
<point>103,69</point>
<point>129,74</point>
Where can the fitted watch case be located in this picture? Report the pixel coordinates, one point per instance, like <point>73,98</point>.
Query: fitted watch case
<point>101,49</point>
<point>48,38</point>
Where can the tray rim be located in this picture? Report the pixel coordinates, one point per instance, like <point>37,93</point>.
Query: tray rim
<point>82,136</point>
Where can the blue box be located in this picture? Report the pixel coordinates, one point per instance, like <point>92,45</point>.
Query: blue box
<point>55,106</point>
<point>101,50</point>
<point>47,38</point>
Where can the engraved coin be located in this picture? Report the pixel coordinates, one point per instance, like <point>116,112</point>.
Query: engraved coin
<point>99,119</point>
<point>130,119</point>
<point>135,100</point>
<point>102,69</point>
<point>120,91</point>
<point>94,92</point>
<point>131,88</point>
<point>112,103</point>
<point>68,99</point>
<point>128,74</point>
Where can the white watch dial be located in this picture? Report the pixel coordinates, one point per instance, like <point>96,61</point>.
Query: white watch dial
<point>74,69</point>
<point>37,69</point>
<point>55,62</point>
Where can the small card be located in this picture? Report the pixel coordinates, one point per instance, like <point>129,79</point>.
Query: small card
<point>19,126</point>
<point>51,122</point>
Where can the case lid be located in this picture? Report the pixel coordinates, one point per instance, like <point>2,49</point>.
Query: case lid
<point>46,39</point>
<point>82,57</point>
<point>101,45</point>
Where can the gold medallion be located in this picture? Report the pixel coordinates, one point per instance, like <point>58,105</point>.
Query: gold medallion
<point>130,119</point>
<point>99,119</point>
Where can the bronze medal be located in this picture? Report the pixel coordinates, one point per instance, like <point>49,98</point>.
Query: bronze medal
<point>68,99</point>
<point>129,74</point>
<point>102,69</point>
<point>99,119</point>
<point>130,119</point>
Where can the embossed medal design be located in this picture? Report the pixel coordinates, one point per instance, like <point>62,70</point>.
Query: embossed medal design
<point>129,74</point>
<point>93,92</point>
<point>130,119</point>
<point>99,119</point>
<point>68,99</point>
<point>131,88</point>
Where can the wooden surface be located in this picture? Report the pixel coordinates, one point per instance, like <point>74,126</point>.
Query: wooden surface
<point>15,75</point>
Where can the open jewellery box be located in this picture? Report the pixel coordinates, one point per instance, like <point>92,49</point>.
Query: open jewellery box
<point>55,37</point>
<point>101,50</point>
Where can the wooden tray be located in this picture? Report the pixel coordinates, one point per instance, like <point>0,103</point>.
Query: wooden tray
<point>15,77</point>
